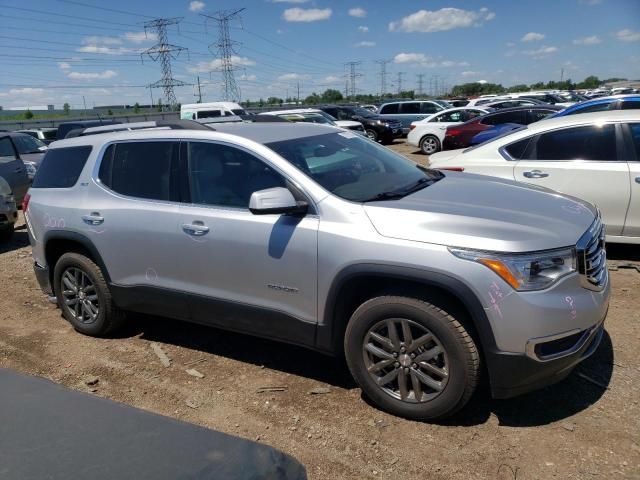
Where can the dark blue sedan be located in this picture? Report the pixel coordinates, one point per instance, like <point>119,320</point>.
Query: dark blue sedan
<point>615,102</point>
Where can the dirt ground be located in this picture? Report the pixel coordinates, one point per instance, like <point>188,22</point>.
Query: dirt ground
<point>587,427</point>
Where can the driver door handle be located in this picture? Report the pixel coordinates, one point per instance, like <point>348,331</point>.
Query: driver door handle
<point>195,229</point>
<point>535,174</point>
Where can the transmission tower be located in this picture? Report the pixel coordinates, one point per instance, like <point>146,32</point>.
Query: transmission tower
<point>383,76</point>
<point>352,77</point>
<point>225,49</point>
<point>400,74</point>
<point>164,52</point>
<point>420,84</point>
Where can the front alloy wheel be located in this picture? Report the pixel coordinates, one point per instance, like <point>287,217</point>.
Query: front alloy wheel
<point>405,360</point>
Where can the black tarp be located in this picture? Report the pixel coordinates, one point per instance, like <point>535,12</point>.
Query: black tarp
<point>50,432</point>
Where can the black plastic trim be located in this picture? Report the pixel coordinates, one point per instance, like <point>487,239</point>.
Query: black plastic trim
<point>43,277</point>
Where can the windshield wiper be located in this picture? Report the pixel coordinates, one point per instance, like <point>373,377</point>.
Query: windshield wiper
<point>393,194</point>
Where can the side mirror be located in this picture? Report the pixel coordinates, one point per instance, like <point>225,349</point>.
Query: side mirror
<point>276,200</point>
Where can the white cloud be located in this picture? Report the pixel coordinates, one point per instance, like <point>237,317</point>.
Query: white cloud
<point>290,77</point>
<point>139,37</point>
<point>27,91</point>
<point>306,15</point>
<point>482,81</point>
<point>421,60</point>
<point>332,79</point>
<point>249,78</point>
<point>358,12</point>
<point>214,65</point>
<point>92,75</point>
<point>103,40</point>
<point>627,35</point>
<point>365,44</point>
<point>363,29</point>
<point>540,52</point>
<point>64,65</point>
<point>593,40</point>
<point>469,73</point>
<point>532,37</point>
<point>440,20</point>
<point>196,6</point>
<point>105,50</point>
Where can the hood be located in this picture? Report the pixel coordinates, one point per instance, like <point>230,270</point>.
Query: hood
<point>32,157</point>
<point>484,213</point>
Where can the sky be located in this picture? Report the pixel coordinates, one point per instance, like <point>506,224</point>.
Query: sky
<point>57,51</point>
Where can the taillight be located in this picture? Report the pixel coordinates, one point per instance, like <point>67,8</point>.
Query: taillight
<point>453,169</point>
<point>25,202</point>
<point>411,127</point>
<point>453,132</point>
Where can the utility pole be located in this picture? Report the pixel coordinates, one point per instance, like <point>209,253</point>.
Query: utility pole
<point>225,49</point>
<point>346,89</point>
<point>199,94</point>
<point>561,75</point>
<point>352,75</point>
<point>298,85</point>
<point>164,52</point>
<point>400,74</point>
<point>383,76</point>
<point>84,102</point>
<point>420,84</point>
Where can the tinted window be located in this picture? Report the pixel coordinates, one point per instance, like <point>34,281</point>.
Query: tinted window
<point>535,115</point>
<point>27,144</point>
<point>6,150</point>
<point>332,111</point>
<point>226,176</point>
<point>391,108</point>
<point>505,117</point>
<point>61,167</point>
<point>209,113</point>
<point>410,108</point>
<point>343,114</point>
<point>598,107</point>
<point>516,150</point>
<point>427,107</point>
<point>142,169</point>
<point>580,143</point>
<point>635,133</point>
<point>449,117</point>
<point>630,105</point>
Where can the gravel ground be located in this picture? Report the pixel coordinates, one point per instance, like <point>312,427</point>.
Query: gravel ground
<point>586,427</point>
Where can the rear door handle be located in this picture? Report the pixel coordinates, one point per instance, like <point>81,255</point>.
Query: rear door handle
<point>195,229</point>
<point>535,174</point>
<point>93,219</point>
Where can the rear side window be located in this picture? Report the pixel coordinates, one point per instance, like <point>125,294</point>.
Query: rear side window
<point>391,108</point>
<point>61,167</point>
<point>428,107</point>
<point>146,170</point>
<point>410,108</point>
<point>630,105</point>
<point>596,143</point>
<point>506,117</point>
<point>516,150</point>
<point>6,150</point>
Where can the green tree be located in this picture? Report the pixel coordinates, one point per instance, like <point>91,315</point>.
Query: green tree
<point>407,94</point>
<point>109,112</point>
<point>590,82</point>
<point>274,101</point>
<point>331,95</point>
<point>136,108</point>
<point>521,87</point>
<point>66,108</point>
<point>28,114</point>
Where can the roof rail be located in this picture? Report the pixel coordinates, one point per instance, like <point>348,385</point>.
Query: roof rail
<point>151,125</point>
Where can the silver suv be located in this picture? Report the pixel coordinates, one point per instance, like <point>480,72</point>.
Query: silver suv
<point>319,237</point>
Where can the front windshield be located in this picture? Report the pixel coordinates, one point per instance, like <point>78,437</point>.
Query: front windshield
<point>307,118</point>
<point>353,167</point>
<point>363,112</point>
<point>28,144</point>
<point>326,115</point>
<point>239,111</point>
<point>444,103</point>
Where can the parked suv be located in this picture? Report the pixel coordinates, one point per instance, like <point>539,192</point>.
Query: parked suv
<point>8,211</point>
<point>12,168</point>
<point>376,127</point>
<point>319,237</point>
<point>411,111</point>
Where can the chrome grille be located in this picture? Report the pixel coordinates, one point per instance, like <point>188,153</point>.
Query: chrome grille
<point>592,257</point>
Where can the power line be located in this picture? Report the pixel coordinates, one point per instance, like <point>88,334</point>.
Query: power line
<point>225,51</point>
<point>75,17</point>
<point>74,2</point>
<point>383,76</point>
<point>164,52</point>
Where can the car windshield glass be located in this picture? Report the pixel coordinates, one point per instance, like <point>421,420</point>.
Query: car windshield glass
<point>363,112</point>
<point>497,137</point>
<point>28,144</point>
<point>444,103</point>
<point>326,115</point>
<point>49,134</point>
<point>239,111</point>
<point>355,168</point>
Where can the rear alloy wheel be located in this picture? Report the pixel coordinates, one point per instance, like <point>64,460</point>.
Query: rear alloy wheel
<point>372,134</point>
<point>429,144</point>
<point>411,358</point>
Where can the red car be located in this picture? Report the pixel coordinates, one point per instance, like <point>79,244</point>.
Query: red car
<point>459,136</point>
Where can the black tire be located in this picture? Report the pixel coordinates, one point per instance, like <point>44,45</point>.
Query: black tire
<point>372,134</point>
<point>109,317</point>
<point>459,351</point>
<point>430,144</point>
<point>6,233</point>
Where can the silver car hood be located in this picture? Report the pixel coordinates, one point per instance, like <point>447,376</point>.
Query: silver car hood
<point>484,213</point>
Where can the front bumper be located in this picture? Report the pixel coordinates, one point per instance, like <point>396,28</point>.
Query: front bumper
<point>515,374</point>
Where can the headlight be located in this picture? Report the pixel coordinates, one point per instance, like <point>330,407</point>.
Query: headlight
<point>380,122</point>
<point>529,271</point>
<point>31,169</point>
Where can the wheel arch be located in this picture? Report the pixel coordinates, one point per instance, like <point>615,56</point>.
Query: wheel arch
<point>58,242</point>
<point>358,283</point>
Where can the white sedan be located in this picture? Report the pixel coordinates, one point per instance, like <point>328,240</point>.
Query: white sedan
<point>593,156</point>
<point>429,132</point>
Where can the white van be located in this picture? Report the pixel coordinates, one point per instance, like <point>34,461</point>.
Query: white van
<point>192,111</point>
